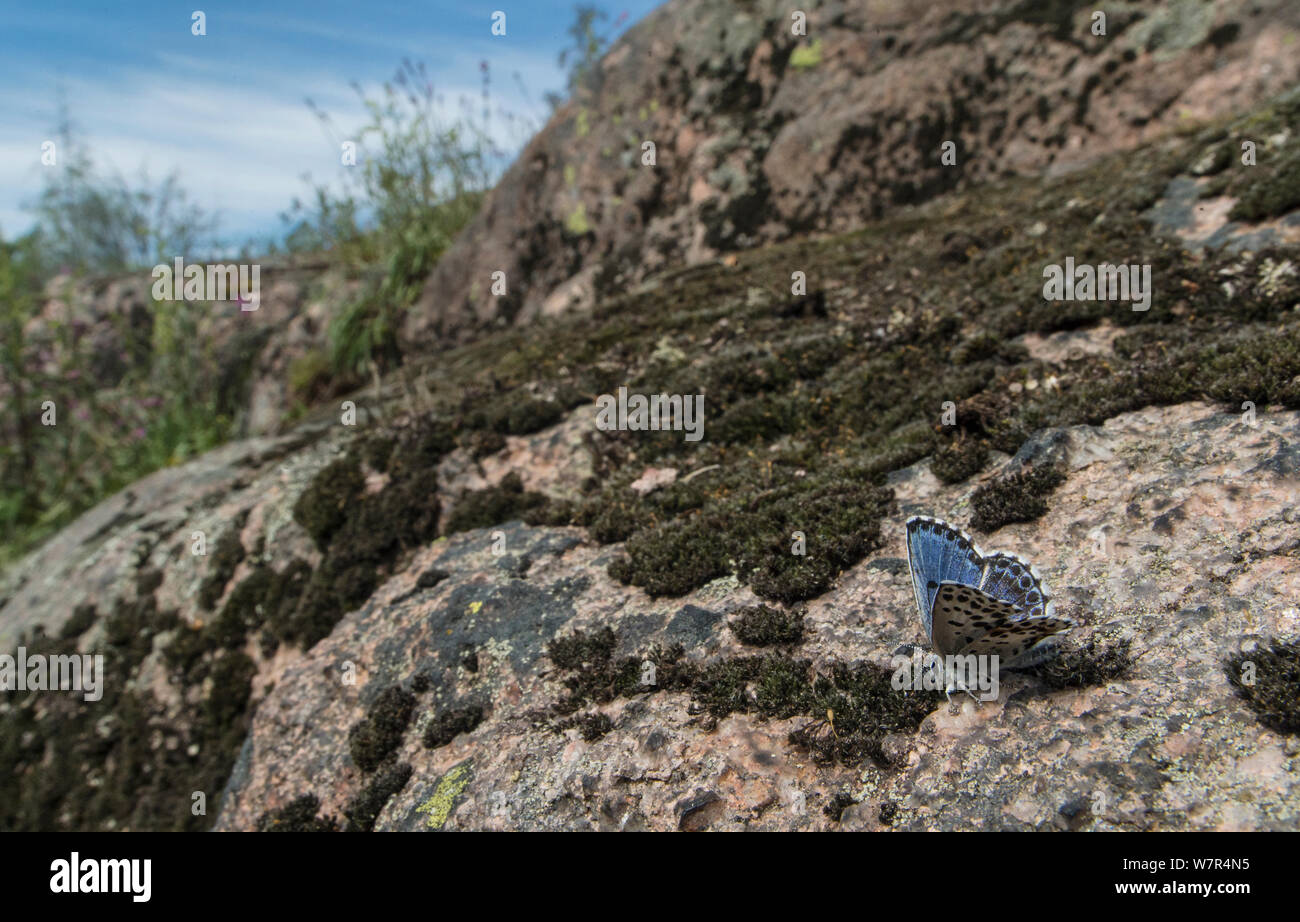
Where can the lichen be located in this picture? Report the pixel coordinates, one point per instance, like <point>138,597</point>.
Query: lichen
<point>450,786</point>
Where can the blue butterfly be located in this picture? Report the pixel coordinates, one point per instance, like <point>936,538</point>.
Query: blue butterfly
<point>976,603</point>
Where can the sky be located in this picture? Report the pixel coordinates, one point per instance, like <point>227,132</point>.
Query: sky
<point>228,110</point>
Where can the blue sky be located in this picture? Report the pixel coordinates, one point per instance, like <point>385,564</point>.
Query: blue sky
<point>227,109</point>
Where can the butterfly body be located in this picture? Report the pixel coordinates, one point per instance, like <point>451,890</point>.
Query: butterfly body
<point>977,603</point>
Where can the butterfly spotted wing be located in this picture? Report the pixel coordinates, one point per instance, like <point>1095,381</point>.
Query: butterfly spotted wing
<point>969,621</point>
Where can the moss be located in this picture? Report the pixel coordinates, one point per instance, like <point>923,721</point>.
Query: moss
<point>1273,691</point>
<point>298,815</point>
<point>960,459</point>
<point>493,505</point>
<point>596,676</point>
<point>762,626</point>
<point>80,621</point>
<point>1093,663</point>
<point>447,725</point>
<point>242,611</point>
<point>224,560</point>
<point>379,734</point>
<point>376,528</point>
<point>484,443</point>
<point>856,709</point>
<point>323,506</point>
<point>593,726</point>
<point>839,518</point>
<point>516,412</point>
<point>1274,193</point>
<point>834,809</point>
<point>854,706</point>
<point>1018,497</point>
<point>363,810</point>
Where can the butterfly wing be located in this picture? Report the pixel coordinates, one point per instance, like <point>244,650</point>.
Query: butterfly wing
<point>968,620</point>
<point>963,614</point>
<point>938,553</point>
<point>1012,579</point>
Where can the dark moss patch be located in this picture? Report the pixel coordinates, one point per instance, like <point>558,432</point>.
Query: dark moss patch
<point>298,815</point>
<point>596,676</point>
<point>862,709</point>
<point>840,521</point>
<point>73,764</point>
<point>374,530</point>
<point>484,443</point>
<point>225,558</point>
<point>960,459</point>
<point>363,810</point>
<point>835,807</point>
<point>447,725</point>
<point>83,616</point>
<point>323,506</point>
<point>1090,664</point>
<point>1273,691</point>
<point>593,726</point>
<point>763,626</point>
<point>1018,497</point>
<point>855,706</point>
<point>378,735</point>
<point>493,505</point>
<point>431,577</point>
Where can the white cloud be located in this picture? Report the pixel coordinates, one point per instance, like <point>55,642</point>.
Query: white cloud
<point>241,139</point>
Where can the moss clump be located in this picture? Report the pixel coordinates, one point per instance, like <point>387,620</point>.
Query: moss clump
<point>593,726</point>
<point>834,809</point>
<point>761,626</point>
<point>375,529</point>
<point>493,505</point>
<point>226,557</point>
<point>1090,664</point>
<point>298,815</point>
<point>855,706</point>
<point>515,413</point>
<point>1018,497</point>
<point>126,761</point>
<point>484,443</point>
<point>323,506</point>
<point>363,810</point>
<point>596,676</point>
<point>960,460</point>
<point>82,617</point>
<point>378,735</point>
<point>753,536</point>
<point>447,725</point>
<point>1273,692</point>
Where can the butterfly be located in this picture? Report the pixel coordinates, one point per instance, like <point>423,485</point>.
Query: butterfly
<point>977,603</point>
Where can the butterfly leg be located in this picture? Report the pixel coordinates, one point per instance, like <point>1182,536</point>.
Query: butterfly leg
<point>955,684</point>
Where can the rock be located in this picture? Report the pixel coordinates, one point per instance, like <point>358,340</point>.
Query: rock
<point>758,138</point>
